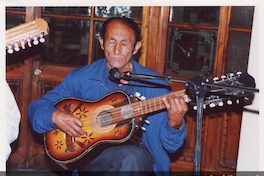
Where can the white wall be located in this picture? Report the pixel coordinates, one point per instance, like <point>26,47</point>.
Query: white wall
<point>250,157</point>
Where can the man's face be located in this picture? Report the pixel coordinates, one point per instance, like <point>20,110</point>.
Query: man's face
<point>118,45</point>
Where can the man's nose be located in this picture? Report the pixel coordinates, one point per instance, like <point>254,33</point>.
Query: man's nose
<point>117,49</point>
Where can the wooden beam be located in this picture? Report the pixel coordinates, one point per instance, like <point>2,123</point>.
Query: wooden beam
<point>222,41</point>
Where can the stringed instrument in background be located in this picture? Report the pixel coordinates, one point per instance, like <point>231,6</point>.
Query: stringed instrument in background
<point>116,117</point>
<point>22,35</point>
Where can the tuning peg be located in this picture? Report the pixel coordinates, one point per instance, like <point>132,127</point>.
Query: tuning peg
<point>246,99</point>
<point>28,42</point>
<point>143,128</point>
<point>142,98</point>
<point>229,102</point>
<point>41,38</point>
<point>220,103</point>
<point>239,73</point>
<point>146,121</point>
<point>35,42</point>
<point>10,50</point>
<point>212,105</point>
<point>16,48</point>
<point>137,94</point>
<point>22,43</point>
<point>223,77</point>
<point>215,79</point>
<point>232,75</point>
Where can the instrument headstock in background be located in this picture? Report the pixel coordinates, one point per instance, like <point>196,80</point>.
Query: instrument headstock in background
<point>230,89</point>
<point>22,35</point>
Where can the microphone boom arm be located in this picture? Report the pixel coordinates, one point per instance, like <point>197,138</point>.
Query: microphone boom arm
<point>168,78</point>
<point>125,75</point>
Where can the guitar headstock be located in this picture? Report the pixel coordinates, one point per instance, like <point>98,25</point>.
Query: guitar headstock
<point>229,89</point>
<point>234,84</point>
<point>22,35</point>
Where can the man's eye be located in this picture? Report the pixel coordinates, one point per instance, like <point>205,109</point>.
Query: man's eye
<point>111,41</point>
<point>125,44</point>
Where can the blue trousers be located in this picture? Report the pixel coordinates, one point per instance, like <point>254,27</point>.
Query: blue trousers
<point>123,160</point>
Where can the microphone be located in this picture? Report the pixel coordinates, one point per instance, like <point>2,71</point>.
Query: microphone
<point>114,74</point>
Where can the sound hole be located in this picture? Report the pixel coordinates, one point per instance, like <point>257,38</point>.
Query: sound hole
<point>104,119</point>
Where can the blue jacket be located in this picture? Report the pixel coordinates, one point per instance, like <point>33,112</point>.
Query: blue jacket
<point>91,82</point>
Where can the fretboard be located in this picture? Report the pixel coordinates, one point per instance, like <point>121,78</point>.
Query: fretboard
<point>141,108</point>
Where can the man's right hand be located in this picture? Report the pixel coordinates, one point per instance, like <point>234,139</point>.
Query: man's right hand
<point>68,123</point>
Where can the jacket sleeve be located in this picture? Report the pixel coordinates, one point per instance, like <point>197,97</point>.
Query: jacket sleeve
<point>171,138</point>
<point>40,114</point>
<point>41,110</point>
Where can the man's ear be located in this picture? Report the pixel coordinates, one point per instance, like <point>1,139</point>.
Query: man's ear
<point>137,47</point>
<point>101,41</point>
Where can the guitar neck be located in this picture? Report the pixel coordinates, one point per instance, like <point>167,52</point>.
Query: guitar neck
<point>141,108</point>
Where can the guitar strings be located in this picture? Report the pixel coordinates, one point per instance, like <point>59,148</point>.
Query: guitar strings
<point>114,116</point>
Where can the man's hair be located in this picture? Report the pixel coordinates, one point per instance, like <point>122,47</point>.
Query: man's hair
<point>127,21</point>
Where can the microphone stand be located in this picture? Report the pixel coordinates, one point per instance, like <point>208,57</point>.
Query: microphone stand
<point>197,88</point>
<point>199,91</point>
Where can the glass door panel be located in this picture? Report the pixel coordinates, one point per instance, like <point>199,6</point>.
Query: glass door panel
<point>199,15</point>
<point>190,52</point>
<point>67,42</point>
<point>68,10</point>
<point>113,11</point>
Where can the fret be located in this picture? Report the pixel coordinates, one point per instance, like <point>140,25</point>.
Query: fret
<point>155,104</point>
<point>141,108</point>
<point>137,109</point>
<point>146,106</point>
<point>160,102</point>
<point>150,107</point>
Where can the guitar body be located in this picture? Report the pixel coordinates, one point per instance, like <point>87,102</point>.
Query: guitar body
<point>65,150</point>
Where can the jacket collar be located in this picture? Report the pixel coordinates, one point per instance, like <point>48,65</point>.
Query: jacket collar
<point>100,65</point>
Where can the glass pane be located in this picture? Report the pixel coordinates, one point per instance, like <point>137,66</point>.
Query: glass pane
<point>242,16</point>
<point>238,52</point>
<point>98,52</point>
<point>68,10</point>
<point>17,8</point>
<point>206,15</point>
<point>67,42</point>
<point>113,11</point>
<point>14,20</point>
<point>190,52</point>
